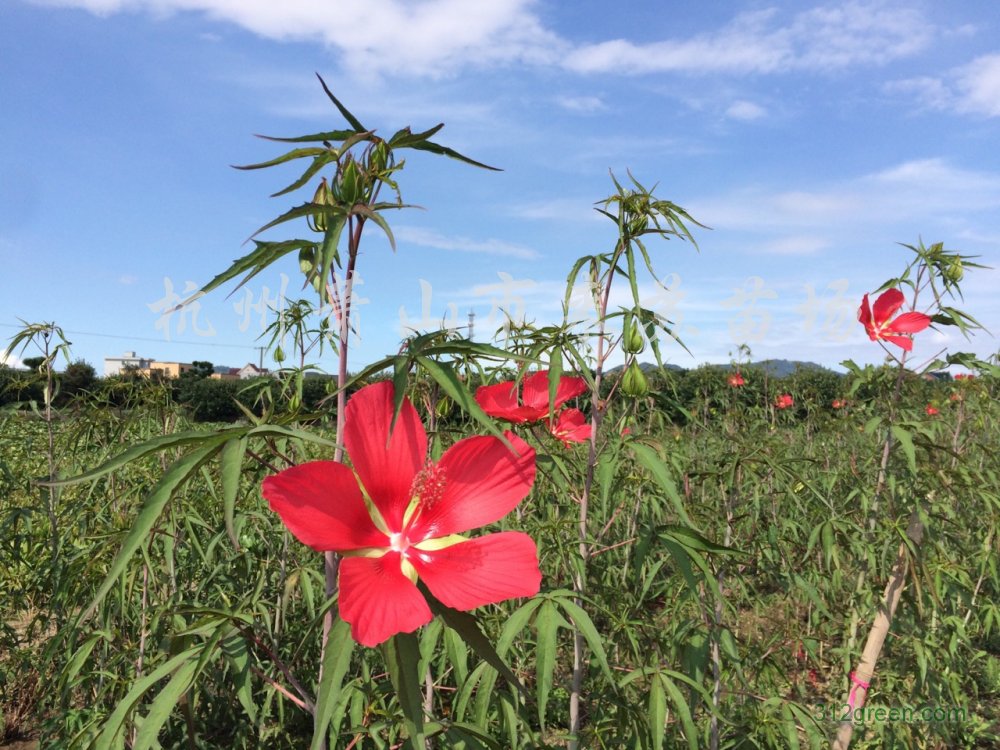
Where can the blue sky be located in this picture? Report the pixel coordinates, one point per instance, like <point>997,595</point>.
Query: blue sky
<point>812,138</point>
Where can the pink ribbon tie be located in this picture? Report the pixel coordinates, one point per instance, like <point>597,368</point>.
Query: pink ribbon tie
<point>853,694</point>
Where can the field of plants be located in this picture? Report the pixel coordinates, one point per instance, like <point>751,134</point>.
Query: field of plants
<point>473,545</point>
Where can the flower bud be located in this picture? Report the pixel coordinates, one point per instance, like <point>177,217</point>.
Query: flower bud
<point>632,340</point>
<point>954,272</point>
<point>317,221</point>
<point>634,382</point>
<point>348,187</point>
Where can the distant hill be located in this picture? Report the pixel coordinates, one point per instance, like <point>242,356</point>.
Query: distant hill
<point>776,368</point>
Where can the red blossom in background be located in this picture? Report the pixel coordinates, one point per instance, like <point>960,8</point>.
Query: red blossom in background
<point>736,380</point>
<point>418,509</point>
<point>931,411</point>
<point>571,427</point>
<point>784,401</point>
<point>878,324</point>
<point>965,376</point>
<point>500,400</point>
<point>839,403</point>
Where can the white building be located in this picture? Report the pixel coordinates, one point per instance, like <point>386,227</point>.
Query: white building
<point>128,361</point>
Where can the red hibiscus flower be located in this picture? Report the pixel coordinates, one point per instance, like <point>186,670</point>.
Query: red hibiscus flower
<point>736,380</point>
<point>571,427</point>
<point>784,401</point>
<point>500,400</point>
<point>931,411</point>
<point>396,517</point>
<point>877,323</point>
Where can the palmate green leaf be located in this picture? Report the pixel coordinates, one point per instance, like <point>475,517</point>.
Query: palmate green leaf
<point>235,650</point>
<point>298,212</point>
<point>164,704</point>
<point>166,442</point>
<point>405,137</point>
<point>230,470</point>
<point>327,136</point>
<point>693,540</point>
<point>905,440</point>
<point>467,627</point>
<point>649,459</point>
<point>297,153</point>
<point>547,623</point>
<point>436,148</point>
<point>317,164</point>
<point>657,713</point>
<point>402,654</point>
<point>336,660</point>
<point>666,678</point>
<point>110,736</point>
<point>585,625</point>
<point>378,219</point>
<point>444,375</point>
<point>353,121</point>
<point>254,262</point>
<point>150,512</point>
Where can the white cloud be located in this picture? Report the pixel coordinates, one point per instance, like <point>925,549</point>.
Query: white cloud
<point>744,110</point>
<point>436,37</point>
<point>972,89</point>
<point>584,104</point>
<point>795,245</point>
<point>430,238</point>
<point>979,86</point>
<point>127,279</point>
<point>10,360</point>
<point>429,37</point>
<point>912,190</point>
<point>822,38</point>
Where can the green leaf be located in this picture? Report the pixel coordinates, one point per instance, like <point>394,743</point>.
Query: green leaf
<point>583,623</point>
<point>658,469</point>
<point>152,506</point>
<point>353,121</point>
<point>113,725</point>
<point>238,656</point>
<point>297,153</point>
<point>146,448</point>
<point>336,660</point>
<point>230,470</point>
<point>693,540</point>
<point>436,148</point>
<point>402,654</point>
<point>164,704</point>
<point>906,443</point>
<point>265,254</point>
<point>468,629</point>
<point>445,376</point>
<point>681,707</point>
<point>547,624</point>
<point>657,715</point>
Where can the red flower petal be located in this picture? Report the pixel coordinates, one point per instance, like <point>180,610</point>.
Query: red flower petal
<point>321,504</point>
<point>911,322</point>
<point>536,391</point>
<point>484,570</point>
<point>865,315</point>
<point>572,427</point>
<point>500,401</point>
<point>378,600</point>
<point>905,342</point>
<point>886,306</point>
<point>483,481</point>
<point>385,465</point>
